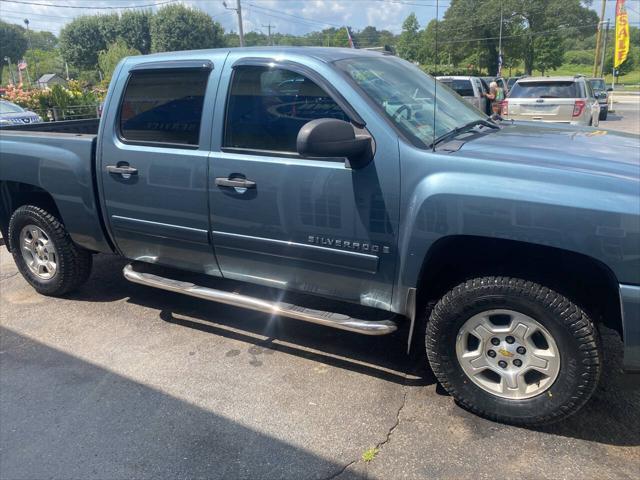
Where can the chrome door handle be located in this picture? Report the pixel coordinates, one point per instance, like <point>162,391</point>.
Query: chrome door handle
<point>122,169</point>
<point>237,182</point>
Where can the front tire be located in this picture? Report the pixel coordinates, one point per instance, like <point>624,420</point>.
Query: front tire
<point>44,253</point>
<point>513,351</point>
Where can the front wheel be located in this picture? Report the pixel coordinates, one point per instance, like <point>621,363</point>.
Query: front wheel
<point>513,351</point>
<point>45,254</point>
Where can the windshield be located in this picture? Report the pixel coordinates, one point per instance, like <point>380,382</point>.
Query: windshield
<point>598,84</point>
<point>544,90</point>
<point>405,95</point>
<point>8,107</point>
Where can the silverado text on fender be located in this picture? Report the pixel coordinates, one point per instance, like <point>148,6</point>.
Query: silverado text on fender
<point>340,174</point>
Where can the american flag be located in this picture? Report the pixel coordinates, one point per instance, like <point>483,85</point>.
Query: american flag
<point>22,64</point>
<point>351,44</point>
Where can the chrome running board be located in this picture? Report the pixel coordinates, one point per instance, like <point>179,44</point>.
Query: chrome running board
<point>319,317</point>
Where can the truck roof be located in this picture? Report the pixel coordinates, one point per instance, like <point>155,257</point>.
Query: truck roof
<point>324,54</point>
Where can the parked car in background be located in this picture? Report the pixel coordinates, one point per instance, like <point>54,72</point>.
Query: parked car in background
<point>469,88</point>
<point>502,83</point>
<point>511,81</point>
<point>12,114</point>
<point>601,92</point>
<point>553,99</point>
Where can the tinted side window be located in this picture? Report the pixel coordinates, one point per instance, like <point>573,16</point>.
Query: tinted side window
<point>163,107</point>
<point>461,87</point>
<point>267,107</point>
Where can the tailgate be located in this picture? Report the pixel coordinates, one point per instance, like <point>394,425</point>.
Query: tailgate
<point>549,109</point>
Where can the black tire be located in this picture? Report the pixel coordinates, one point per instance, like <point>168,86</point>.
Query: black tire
<point>603,113</point>
<point>571,328</point>
<point>73,262</point>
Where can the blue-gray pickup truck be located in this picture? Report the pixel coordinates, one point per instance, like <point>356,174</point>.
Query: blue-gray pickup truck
<point>347,189</point>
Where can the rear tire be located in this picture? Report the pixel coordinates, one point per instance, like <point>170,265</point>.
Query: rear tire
<point>44,253</point>
<point>537,377</point>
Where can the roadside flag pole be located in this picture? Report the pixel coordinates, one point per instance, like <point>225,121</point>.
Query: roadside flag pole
<point>500,45</point>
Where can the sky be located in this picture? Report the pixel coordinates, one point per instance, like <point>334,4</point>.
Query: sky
<point>286,16</point>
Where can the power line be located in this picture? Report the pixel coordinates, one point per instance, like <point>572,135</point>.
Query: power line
<point>93,7</point>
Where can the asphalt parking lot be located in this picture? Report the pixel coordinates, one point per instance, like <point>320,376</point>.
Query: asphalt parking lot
<point>121,381</point>
<point>626,116</point>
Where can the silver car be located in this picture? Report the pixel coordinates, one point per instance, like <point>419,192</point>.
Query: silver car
<point>469,88</point>
<point>553,99</point>
<point>12,114</point>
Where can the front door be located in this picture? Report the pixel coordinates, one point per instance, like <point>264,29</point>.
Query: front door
<point>154,167</point>
<point>285,221</point>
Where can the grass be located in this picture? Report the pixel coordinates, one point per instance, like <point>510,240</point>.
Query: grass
<point>370,454</point>
<point>631,79</point>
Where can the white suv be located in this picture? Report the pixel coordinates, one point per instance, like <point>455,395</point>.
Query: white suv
<point>553,99</point>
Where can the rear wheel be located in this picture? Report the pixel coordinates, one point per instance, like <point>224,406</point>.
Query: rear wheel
<point>44,252</point>
<point>513,350</point>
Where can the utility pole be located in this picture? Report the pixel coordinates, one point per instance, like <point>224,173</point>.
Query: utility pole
<point>604,48</point>
<point>238,10</point>
<point>269,27</point>
<point>35,60</point>
<point>596,57</point>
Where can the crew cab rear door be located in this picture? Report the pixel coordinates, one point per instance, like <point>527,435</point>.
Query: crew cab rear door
<point>313,225</point>
<point>153,164</point>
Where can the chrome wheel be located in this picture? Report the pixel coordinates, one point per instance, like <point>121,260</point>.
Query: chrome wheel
<point>39,252</point>
<point>508,354</point>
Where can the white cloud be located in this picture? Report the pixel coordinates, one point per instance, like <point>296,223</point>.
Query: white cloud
<point>288,16</point>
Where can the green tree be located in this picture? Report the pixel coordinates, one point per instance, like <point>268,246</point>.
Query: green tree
<point>134,29</point>
<point>109,27</point>
<point>176,27</point>
<point>549,52</point>
<point>543,18</point>
<point>45,41</point>
<point>108,59</point>
<point>340,38</point>
<point>408,42</point>
<point>81,40</point>
<point>13,43</point>
<point>48,61</point>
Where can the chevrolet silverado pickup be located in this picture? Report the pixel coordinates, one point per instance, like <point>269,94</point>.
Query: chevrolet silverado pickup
<point>351,191</point>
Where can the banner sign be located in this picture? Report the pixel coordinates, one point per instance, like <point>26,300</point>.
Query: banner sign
<point>622,34</point>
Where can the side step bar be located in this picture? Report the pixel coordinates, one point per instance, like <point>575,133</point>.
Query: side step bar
<point>319,317</point>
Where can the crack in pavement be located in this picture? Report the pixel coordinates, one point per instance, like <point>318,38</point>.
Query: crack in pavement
<point>381,444</point>
<point>342,470</point>
<point>6,276</point>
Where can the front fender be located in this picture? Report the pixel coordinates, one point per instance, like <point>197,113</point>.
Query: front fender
<point>597,218</point>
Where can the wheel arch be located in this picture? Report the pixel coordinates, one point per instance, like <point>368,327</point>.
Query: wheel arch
<point>454,259</point>
<point>15,194</point>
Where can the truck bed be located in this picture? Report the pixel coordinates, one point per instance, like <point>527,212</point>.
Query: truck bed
<point>69,126</point>
<point>61,162</point>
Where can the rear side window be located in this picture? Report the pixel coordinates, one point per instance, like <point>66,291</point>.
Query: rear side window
<point>267,107</point>
<point>163,107</point>
<point>461,87</point>
<point>545,90</point>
